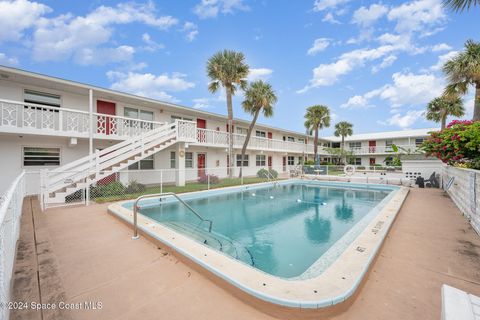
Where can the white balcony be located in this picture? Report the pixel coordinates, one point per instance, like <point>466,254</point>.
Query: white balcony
<point>382,150</point>
<point>28,118</point>
<point>212,138</point>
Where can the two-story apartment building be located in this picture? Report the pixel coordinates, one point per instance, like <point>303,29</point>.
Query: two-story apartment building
<point>51,123</point>
<point>369,149</point>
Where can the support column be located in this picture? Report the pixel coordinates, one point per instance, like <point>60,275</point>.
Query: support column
<point>180,161</point>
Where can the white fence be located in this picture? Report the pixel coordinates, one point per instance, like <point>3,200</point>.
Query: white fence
<point>464,190</point>
<point>10,213</point>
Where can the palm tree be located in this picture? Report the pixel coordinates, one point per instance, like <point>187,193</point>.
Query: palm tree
<point>460,5</point>
<point>343,129</point>
<point>317,117</point>
<point>259,97</point>
<point>462,71</point>
<point>440,108</point>
<point>228,69</point>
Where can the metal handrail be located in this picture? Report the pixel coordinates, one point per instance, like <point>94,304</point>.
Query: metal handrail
<point>136,208</point>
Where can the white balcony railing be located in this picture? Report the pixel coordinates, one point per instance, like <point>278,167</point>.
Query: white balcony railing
<point>22,117</point>
<point>29,118</point>
<point>220,139</point>
<point>383,150</point>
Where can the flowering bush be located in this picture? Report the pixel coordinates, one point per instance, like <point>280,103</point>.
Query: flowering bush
<point>458,144</point>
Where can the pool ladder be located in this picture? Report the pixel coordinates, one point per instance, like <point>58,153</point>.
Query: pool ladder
<point>271,178</point>
<point>136,208</point>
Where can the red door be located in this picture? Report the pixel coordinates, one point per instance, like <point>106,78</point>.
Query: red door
<point>104,124</point>
<point>201,164</point>
<point>371,146</point>
<point>270,162</point>
<point>201,135</point>
<point>284,163</point>
<point>372,161</point>
<point>269,135</point>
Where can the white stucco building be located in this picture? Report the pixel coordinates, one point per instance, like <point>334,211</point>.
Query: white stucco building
<point>69,127</point>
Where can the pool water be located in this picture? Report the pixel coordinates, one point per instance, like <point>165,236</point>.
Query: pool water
<point>281,230</point>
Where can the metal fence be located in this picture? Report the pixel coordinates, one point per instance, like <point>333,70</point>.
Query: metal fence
<point>129,184</point>
<point>10,212</point>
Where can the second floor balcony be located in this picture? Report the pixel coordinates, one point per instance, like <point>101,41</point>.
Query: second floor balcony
<point>383,150</point>
<point>27,118</point>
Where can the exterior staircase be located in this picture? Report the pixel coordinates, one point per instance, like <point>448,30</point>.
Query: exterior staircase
<point>80,174</point>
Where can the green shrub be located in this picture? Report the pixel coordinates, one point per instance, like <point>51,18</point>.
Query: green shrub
<point>309,163</point>
<point>113,188</point>
<point>266,174</point>
<point>135,187</point>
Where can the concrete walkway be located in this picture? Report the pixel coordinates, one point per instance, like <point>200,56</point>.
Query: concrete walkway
<point>82,254</point>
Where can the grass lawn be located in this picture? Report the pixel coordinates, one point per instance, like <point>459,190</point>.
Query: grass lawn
<point>189,187</point>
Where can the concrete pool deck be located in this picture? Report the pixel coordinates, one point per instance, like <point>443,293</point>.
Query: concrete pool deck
<point>84,254</point>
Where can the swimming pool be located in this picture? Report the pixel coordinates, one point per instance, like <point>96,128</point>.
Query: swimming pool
<point>293,231</point>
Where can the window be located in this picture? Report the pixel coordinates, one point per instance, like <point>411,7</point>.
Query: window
<point>355,161</point>
<point>291,160</point>
<point>260,161</point>
<point>259,133</point>
<point>355,145</point>
<point>239,160</point>
<point>301,140</point>
<point>188,159</point>
<point>180,118</point>
<point>144,164</point>
<point>241,130</point>
<point>388,143</point>
<point>418,141</point>
<point>291,139</point>
<point>46,99</point>
<point>138,114</point>
<point>173,161</point>
<point>39,156</point>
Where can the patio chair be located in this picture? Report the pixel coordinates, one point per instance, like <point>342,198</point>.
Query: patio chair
<point>432,181</point>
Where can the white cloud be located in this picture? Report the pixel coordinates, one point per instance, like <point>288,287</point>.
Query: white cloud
<point>17,16</point>
<point>151,45</point>
<point>330,18</point>
<point>8,61</point>
<point>99,56</point>
<point>211,8</point>
<point>69,36</point>
<point>441,47</point>
<point>149,85</point>
<point>320,5</point>
<point>191,31</point>
<point>404,121</point>
<point>328,74</point>
<point>417,15</point>
<point>319,45</point>
<point>367,16</point>
<point>386,62</point>
<point>442,59</point>
<point>201,103</point>
<point>406,89</point>
<point>259,73</point>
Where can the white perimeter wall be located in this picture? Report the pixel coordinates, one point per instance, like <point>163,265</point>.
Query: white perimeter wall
<point>465,192</point>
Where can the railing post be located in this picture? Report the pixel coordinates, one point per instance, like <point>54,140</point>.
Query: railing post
<point>97,163</point>
<point>161,181</point>
<point>208,181</point>
<point>87,191</point>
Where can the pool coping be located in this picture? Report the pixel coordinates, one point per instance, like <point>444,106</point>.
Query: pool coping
<point>333,286</point>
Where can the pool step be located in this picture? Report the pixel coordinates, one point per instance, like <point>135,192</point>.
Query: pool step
<point>213,240</point>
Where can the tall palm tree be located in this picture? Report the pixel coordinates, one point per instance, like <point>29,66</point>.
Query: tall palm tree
<point>259,97</point>
<point>228,69</point>
<point>440,108</point>
<point>317,117</point>
<point>462,71</point>
<point>460,5</point>
<point>343,129</point>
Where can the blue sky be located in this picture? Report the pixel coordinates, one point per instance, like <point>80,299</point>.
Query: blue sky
<point>375,64</point>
